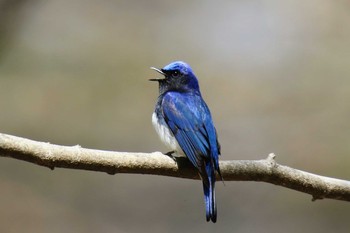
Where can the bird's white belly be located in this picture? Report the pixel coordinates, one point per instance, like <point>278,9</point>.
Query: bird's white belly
<point>165,135</point>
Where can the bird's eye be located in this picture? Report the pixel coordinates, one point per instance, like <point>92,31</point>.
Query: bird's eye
<point>176,73</point>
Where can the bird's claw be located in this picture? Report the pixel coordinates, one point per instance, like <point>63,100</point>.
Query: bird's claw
<point>170,154</point>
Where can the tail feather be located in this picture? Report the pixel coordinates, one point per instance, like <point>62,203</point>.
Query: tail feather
<point>209,193</point>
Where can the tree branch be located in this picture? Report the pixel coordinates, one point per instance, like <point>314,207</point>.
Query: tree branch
<point>76,157</point>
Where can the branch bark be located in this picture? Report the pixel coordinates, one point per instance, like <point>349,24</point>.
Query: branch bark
<point>76,157</point>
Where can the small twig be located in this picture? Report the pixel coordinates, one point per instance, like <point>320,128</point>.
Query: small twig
<point>76,157</point>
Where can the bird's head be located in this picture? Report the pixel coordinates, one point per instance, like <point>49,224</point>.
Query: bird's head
<point>177,76</point>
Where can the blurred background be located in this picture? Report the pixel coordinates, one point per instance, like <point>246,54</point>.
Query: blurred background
<point>274,73</point>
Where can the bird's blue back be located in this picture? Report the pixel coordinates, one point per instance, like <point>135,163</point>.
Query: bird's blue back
<point>189,119</point>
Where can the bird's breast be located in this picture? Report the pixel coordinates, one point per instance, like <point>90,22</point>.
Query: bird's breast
<point>165,135</point>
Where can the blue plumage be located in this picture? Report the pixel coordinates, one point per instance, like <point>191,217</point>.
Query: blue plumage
<point>183,121</point>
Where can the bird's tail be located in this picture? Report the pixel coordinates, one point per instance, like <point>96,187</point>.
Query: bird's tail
<point>209,192</point>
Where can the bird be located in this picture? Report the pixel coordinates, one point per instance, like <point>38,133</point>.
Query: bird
<point>184,124</point>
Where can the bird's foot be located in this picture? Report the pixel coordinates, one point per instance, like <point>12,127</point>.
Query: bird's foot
<point>170,154</point>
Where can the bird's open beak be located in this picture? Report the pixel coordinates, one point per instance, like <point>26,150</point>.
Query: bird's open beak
<point>159,71</point>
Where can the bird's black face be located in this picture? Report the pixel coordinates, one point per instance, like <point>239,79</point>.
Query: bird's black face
<point>173,75</point>
<point>177,76</point>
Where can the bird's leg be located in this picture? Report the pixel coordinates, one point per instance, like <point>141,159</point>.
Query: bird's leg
<point>170,154</point>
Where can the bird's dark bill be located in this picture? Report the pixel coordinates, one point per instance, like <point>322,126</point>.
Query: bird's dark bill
<point>155,79</point>
<point>159,71</point>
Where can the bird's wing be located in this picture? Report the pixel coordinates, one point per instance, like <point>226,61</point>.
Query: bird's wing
<point>189,119</point>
